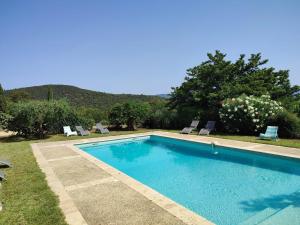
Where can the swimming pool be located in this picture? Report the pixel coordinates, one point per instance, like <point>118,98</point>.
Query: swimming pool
<point>224,185</point>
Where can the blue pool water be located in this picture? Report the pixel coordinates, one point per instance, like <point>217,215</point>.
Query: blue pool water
<point>226,186</point>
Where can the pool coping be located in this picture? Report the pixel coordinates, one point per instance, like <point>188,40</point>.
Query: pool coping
<point>177,210</point>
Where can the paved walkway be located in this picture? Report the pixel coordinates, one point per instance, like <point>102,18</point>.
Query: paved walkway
<point>92,192</point>
<point>6,134</point>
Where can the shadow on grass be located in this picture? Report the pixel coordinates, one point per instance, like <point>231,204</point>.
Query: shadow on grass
<point>276,202</point>
<point>16,138</point>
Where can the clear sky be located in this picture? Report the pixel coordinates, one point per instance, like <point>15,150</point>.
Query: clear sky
<point>139,46</point>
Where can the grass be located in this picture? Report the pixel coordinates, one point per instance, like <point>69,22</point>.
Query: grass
<point>26,197</point>
<point>293,143</point>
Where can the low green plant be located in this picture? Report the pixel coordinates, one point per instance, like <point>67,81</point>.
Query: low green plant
<point>39,118</point>
<point>3,102</point>
<point>288,123</point>
<point>248,114</point>
<point>4,120</point>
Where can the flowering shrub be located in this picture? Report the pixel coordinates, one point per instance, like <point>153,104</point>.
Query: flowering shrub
<point>248,114</point>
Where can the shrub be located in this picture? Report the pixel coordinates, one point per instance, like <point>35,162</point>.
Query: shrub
<point>4,120</point>
<point>39,118</point>
<point>161,118</point>
<point>95,114</point>
<point>288,123</point>
<point>131,113</point>
<point>60,113</point>
<point>3,103</point>
<point>248,115</point>
<point>28,119</point>
<point>116,116</point>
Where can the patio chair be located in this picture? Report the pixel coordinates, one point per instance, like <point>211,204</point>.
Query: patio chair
<point>2,176</point>
<point>81,131</point>
<point>68,132</point>
<point>5,163</point>
<point>209,127</point>
<point>193,126</point>
<point>270,134</point>
<point>101,129</point>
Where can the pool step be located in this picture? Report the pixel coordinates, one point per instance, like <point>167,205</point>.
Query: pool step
<point>287,216</point>
<point>260,217</point>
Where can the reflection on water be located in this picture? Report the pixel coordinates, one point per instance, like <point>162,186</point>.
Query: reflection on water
<point>135,151</point>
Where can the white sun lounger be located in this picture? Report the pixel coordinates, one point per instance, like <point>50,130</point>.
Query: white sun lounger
<point>68,132</point>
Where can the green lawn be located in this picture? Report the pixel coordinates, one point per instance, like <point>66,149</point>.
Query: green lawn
<point>26,196</point>
<point>294,143</point>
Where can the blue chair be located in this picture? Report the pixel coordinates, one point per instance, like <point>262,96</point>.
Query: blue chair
<point>270,134</point>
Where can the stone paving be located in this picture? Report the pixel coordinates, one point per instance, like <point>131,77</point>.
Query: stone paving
<point>92,192</point>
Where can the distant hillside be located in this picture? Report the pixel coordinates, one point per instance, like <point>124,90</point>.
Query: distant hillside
<point>82,97</point>
<point>164,96</point>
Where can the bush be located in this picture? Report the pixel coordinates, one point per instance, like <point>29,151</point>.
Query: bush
<point>60,114</point>
<point>288,123</point>
<point>116,116</point>
<point>131,113</point>
<point>3,103</point>
<point>39,118</point>
<point>28,119</point>
<point>95,114</point>
<point>4,120</point>
<point>161,118</point>
<point>248,115</point>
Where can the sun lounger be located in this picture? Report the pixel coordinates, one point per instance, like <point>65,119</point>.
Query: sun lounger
<point>5,163</point>
<point>193,126</point>
<point>101,129</point>
<point>210,126</point>
<point>81,131</point>
<point>270,134</point>
<point>68,132</point>
<point>2,176</point>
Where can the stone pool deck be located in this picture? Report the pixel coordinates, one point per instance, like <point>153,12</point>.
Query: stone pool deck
<point>92,192</point>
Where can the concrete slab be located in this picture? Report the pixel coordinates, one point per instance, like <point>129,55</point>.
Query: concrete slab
<point>57,152</point>
<point>76,170</point>
<point>115,203</point>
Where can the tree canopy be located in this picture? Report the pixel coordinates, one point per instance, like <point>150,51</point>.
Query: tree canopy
<point>208,84</point>
<point>130,113</point>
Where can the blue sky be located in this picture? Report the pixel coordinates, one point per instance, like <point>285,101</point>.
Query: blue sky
<point>139,46</point>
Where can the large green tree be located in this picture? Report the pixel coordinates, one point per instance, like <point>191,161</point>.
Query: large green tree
<point>208,84</point>
<point>130,113</point>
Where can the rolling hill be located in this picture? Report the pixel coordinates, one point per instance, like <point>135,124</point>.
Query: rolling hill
<point>81,97</point>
